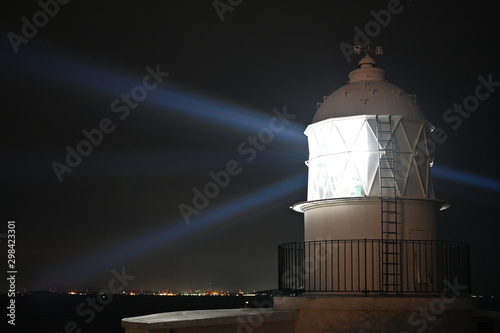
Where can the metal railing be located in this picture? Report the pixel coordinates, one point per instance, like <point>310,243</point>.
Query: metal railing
<point>357,265</point>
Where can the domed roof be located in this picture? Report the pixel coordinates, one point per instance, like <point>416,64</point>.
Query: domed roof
<point>368,93</point>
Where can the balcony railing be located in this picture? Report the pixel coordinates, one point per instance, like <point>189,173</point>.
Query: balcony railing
<point>374,266</point>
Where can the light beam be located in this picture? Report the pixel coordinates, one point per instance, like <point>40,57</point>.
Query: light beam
<point>175,99</point>
<point>466,178</point>
<point>88,265</point>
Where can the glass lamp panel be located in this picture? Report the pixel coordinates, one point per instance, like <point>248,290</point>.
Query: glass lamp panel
<point>343,158</point>
<point>412,131</point>
<point>400,139</point>
<point>414,187</point>
<point>325,176</point>
<point>349,129</point>
<point>366,139</point>
<point>366,164</point>
<point>325,139</point>
<point>350,185</point>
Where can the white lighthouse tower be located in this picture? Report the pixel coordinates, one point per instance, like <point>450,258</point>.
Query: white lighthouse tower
<point>369,167</point>
<point>372,255</point>
<point>371,260</point>
<point>370,215</point>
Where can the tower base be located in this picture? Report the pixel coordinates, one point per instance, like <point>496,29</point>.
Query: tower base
<point>326,313</point>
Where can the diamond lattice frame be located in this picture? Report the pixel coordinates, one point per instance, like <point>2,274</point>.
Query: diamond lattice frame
<point>344,158</point>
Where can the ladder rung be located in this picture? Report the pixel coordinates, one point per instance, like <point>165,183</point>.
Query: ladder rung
<point>385,137</point>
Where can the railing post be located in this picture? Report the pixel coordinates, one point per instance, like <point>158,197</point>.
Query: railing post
<point>366,278</point>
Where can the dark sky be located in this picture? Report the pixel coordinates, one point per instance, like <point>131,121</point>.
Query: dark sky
<point>119,207</point>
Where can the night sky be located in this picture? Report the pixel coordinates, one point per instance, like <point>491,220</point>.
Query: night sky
<point>204,88</point>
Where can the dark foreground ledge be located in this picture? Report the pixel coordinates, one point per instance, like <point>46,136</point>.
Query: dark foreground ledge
<point>241,320</point>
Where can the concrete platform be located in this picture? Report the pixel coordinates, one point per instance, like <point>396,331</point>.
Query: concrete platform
<point>327,313</point>
<point>208,321</point>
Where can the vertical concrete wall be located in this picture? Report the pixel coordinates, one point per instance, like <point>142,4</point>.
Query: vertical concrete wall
<point>361,218</point>
<point>381,314</point>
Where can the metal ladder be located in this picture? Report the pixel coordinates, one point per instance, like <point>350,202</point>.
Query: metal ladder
<point>391,262</point>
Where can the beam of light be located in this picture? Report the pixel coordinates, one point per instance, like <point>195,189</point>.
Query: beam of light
<point>175,99</point>
<point>142,163</point>
<point>160,163</point>
<point>89,265</point>
<point>461,197</point>
<point>466,178</point>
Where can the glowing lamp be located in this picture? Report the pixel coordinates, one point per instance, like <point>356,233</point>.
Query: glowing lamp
<point>368,147</point>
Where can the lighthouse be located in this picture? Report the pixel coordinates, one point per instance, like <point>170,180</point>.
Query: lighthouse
<point>371,217</point>
<point>369,166</point>
<point>372,259</point>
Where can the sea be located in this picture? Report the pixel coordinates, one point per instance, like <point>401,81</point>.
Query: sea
<point>61,313</point>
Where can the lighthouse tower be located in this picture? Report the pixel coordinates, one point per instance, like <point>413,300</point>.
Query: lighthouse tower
<point>371,260</point>
<point>369,167</point>
<point>370,215</point>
